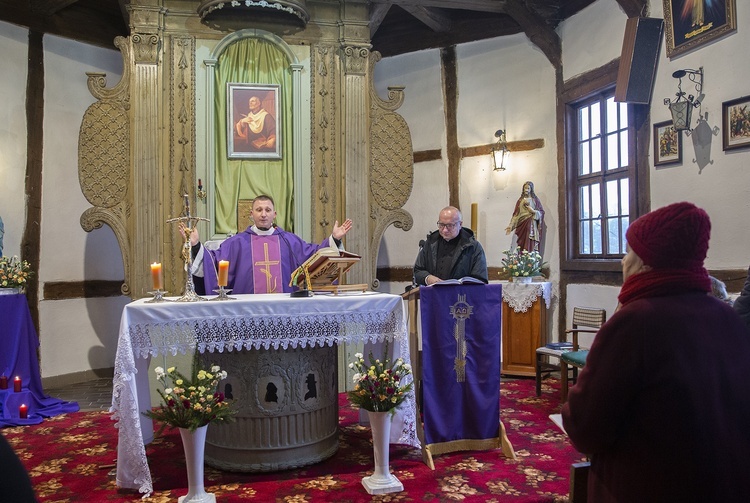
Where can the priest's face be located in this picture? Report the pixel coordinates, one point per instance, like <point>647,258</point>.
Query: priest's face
<point>263,214</point>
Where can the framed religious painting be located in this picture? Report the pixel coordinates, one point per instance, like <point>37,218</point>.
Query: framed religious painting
<point>693,23</point>
<point>253,121</point>
<point>667,144</point>
<point>735,123</point>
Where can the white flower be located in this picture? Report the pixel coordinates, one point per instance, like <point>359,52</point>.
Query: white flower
<point>351,365</point>
<point>358,356</point>
<point>159,372</point>
<point>356,377</point>
<point>215,369</point>
<point>168,391</point>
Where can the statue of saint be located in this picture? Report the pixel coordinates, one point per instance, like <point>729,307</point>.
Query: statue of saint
<point>527,219</point>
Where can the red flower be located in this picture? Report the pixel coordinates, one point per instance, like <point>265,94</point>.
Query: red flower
<point>186,404</point>
<point>219,397</point>
<point>170,403</point>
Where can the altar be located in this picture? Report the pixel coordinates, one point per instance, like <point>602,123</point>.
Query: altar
<point>244,326</point>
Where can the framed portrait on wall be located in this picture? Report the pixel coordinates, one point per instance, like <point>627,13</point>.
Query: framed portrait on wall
<point>735,123</point>
<point>667,144</point>
<point>253,121</point>
<point>693,23</point>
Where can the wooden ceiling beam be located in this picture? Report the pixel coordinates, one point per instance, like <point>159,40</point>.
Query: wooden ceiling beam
<point>634,8</point>
<point>537,30</point>
<point>49,7</point>
<point>474,5</point>
<point>377,14</point>
<point>433,18</point>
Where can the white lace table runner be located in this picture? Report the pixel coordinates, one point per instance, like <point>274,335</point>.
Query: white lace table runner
<point>521,296</point>
<point>252,321</point>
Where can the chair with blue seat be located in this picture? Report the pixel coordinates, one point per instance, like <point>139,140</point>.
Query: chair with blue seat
<point>573,357</point>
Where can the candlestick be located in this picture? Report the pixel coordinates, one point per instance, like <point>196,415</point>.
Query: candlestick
<point>223,272</point>
<point>474,208</point>
<point>17,384</point>
<point>157,278</point>
<point>23,411</point>
<point>3,382</point>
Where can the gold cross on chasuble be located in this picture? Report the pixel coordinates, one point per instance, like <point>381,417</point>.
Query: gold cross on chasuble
<point>266,264</point>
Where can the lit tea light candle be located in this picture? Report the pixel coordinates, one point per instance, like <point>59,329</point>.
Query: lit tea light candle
<point>23,411</point>
<point>156,276</point>
<point>17,384</point>
<point>223,272</point>
<point>3,382</point>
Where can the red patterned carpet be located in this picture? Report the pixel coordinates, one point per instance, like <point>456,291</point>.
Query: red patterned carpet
<point>71,458</point>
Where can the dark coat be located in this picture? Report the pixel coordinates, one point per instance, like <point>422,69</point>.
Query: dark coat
<point>663,404</point>
<point>469,260</point>
<point>742,304</point>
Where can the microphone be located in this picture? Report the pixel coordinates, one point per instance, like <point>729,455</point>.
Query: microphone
<point>422,242</point>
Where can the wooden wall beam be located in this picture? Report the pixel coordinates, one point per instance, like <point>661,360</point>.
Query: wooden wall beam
<point>449,68</point>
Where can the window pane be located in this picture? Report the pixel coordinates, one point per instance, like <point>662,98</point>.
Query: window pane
<point>613,234</point>
<point>596,155</point>
<point>584,167</point>
<point>613,194</point>
<point>583,123</point>
<point>584,203</point>
<point>623,115</point>
<point>612,151</point>
<point>624,148</point>
<point>585,237</point>
<point>596,206</point>
<point>625,196</point>
<point>596,237</point>
<point>596,120</point>
<point>624,224</point>
<point>611,115</point>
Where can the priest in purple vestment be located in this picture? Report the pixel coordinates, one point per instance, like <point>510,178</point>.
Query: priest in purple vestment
<point>262,257</point>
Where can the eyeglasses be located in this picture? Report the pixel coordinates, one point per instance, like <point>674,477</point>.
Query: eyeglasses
<point>449,226</point>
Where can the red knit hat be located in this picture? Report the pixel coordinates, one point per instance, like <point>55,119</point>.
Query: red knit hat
<point>674,237</point>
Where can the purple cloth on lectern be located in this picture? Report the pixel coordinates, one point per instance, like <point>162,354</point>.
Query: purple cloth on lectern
<point>18,357</point>
<point>455,410</point>
<point>238,251</point>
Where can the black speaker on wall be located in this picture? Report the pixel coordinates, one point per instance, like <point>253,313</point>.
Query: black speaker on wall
<point>639,59</point>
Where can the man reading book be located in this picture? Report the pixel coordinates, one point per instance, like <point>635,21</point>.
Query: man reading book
<point>451,252</point>
<point>261,258</point>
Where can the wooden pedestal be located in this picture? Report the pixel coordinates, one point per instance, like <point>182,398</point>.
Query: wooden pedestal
<point>522,334</point>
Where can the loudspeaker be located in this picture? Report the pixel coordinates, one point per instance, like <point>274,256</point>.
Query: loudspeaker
<point>639,59</point>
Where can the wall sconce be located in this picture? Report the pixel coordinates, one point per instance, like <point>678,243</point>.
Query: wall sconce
<point>500,151</point>
<point>682,107</point>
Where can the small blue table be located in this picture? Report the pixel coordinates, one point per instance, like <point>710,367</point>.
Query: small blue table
<point>18,357</point>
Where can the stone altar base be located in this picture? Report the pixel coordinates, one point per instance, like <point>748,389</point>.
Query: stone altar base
<point>287,403</point>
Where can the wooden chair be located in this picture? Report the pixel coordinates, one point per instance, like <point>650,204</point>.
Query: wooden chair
<point>589,317</point>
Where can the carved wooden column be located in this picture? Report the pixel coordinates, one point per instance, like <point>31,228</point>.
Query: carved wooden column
<point>356,157</point>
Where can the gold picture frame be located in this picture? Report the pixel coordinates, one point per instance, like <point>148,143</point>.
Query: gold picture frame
<point>689,25</point>
<point>667,144</point>
<point>735,123</point>
<point>253,122</point>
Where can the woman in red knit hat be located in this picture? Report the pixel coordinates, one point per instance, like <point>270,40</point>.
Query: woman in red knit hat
<point>663,404</point>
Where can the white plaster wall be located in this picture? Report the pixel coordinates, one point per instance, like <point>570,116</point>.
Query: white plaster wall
<point>593,37</point>
<point>76,334</point>
<point>13,60</point>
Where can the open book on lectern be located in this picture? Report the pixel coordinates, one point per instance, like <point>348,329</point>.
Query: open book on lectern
<point>324,269</point>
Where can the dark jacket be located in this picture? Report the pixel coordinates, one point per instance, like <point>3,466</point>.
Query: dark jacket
<point>469,260</point>
<point>742,304</point>
<point>663,404</point>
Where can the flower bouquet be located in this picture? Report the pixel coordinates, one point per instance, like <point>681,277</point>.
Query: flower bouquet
<point>522,263</point>
<point>14,273</point>
<point>378,387</point>
<point>191,402</point>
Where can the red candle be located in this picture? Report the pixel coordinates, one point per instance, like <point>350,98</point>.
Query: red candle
<point>3,382</point>
<point>23,411</point>
<point>17,384</point>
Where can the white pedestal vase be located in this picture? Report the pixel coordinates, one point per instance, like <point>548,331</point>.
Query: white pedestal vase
<point>194,444</point>
<point>381,481</point>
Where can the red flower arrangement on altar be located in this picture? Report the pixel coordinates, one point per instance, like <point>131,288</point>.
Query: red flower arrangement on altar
<point>191,402</point>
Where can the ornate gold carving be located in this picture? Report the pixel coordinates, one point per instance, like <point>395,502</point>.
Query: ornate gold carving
<point>355,59</point>
<point>145,48</point>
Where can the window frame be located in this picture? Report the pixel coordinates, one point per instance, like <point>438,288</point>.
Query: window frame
<point>577,91</point>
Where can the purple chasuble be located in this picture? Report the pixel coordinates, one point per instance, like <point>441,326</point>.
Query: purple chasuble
<point>250,267</point>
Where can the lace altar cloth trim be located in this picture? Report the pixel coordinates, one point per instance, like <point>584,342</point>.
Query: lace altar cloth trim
<point>252,321</point>
<point>521,296</point>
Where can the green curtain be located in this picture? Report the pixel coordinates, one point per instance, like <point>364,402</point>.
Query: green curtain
<point>253,61</point>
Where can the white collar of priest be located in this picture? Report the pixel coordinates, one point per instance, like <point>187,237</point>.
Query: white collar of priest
<point>262,232</point>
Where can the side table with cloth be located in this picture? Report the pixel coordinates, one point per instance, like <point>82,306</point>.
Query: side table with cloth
<point>524,325</point>
<point>251,322</point>
<point>18,357</point>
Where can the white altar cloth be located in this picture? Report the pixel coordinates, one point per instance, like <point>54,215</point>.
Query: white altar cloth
<point>250,321</point>
<point>521,296</point>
